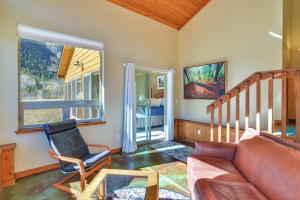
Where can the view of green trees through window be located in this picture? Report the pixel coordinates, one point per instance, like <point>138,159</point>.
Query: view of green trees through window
<point>39,63</point>
<point>57,82</point>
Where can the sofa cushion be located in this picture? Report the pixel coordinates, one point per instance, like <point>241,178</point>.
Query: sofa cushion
<point>272,167</point>
<point>226,190</point>
<point>213,168</point>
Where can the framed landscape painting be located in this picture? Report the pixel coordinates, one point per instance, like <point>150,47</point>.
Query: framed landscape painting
<point>205,81</point>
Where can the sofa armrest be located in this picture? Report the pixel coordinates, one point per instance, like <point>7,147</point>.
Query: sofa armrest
<point>220,150</point>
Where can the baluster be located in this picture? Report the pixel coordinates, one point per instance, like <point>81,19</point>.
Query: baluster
<point>228,120</point>
<point>220,122</point>
<point>283,105</point>
<point>247,109</point>
<point>258,103</point>
<point>270,106</point>
<point>237,115</point>
<point>212,121</point>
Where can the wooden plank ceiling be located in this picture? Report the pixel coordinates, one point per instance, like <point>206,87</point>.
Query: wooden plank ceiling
<point>174,13</point>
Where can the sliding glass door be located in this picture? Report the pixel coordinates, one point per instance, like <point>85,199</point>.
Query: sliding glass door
<point>143,128</point>
<point>150,108</point>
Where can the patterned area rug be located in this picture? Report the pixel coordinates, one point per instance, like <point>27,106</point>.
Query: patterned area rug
<point>138,193</point>
<point>290,130</point>
<point>174,149</point>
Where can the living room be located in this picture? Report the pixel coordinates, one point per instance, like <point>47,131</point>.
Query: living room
<point>193,57</point>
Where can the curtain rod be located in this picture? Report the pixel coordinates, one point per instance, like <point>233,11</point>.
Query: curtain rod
<point>153,69</point>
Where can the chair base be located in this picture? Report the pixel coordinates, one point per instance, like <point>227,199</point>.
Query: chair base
<point>61,184</point>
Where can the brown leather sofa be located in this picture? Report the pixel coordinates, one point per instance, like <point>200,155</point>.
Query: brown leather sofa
<point>261,166</point>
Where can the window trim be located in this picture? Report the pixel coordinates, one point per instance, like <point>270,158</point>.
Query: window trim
<point>40,130</point>
<point>89,91</point>
<point>57,38</point>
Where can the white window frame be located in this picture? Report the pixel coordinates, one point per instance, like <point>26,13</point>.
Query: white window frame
<point>100,92</point>
<point>32,33</point>
<point>68,83</point>
<point>89,94</point>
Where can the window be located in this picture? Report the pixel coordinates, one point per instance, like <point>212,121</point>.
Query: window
<point>60,78</point>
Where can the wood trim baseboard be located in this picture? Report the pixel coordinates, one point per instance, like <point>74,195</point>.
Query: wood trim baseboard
<point>277,122</point>
<point>50,167</point>
<point>37,170</point>
<point>116,150</point>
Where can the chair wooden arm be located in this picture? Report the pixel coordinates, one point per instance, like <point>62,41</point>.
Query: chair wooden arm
<point>67,159</point>
<point>100,146</point>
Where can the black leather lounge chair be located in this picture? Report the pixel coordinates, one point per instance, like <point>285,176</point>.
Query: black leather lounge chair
<point>69,148</point>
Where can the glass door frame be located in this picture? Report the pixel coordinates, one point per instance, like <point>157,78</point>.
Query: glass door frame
<point>148,126</point>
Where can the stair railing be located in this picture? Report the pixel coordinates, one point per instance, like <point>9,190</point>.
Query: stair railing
<point>256,79</point>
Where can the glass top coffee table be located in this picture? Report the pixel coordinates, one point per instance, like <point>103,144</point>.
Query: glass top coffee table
<point>115,184</point>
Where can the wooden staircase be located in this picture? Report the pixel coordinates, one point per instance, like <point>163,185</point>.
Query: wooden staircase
<point>256,78</point>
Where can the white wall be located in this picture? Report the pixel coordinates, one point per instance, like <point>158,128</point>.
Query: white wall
<point>127,37</point>
<point>237,31</point>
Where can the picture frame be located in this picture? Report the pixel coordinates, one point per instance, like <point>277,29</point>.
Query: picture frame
<point>205,81</point>
<point>160,82</point>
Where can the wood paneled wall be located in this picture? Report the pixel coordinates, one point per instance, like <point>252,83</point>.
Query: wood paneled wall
<point>191,131</point>
<point>291,102</point>
<point>89,59</point>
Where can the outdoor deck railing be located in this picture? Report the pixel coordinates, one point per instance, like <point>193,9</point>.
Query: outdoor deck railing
<point>65,105</point>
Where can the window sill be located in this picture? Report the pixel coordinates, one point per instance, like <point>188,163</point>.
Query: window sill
<point>38,130</point>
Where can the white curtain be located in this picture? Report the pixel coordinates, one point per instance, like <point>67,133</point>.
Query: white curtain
<point>129,132</point>
<point>170,104</point>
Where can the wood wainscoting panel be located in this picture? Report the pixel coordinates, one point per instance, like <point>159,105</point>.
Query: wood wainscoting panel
<point>291,103</point>
<point>191,131</point>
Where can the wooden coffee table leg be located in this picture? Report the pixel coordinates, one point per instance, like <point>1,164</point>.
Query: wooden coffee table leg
<point>102,190</point>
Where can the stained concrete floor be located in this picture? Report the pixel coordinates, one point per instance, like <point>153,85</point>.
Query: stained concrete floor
<point>38,187</point>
